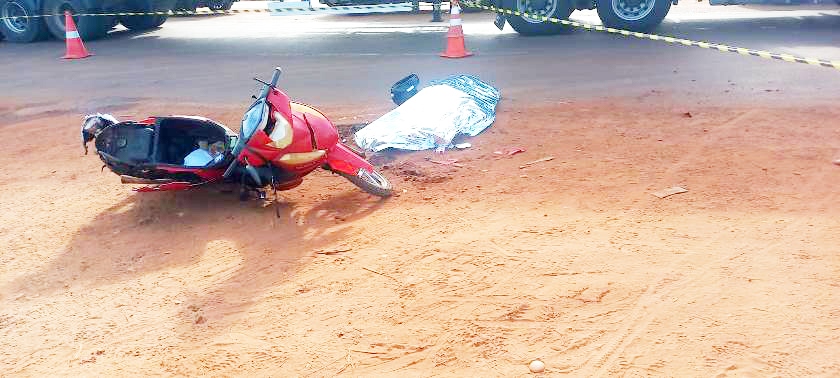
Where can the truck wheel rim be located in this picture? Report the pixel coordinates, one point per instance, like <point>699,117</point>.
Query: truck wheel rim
<point>632,10</point>
<point>538,8</point>
<point>15,17</point>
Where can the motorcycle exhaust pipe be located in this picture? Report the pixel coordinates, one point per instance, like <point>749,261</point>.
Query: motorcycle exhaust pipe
<point>137,180</point>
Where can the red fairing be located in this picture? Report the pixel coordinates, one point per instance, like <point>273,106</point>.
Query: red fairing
<point>325,132</point>
<point>261,151</point>
<point>302,141</point>
<point>258,152</point>
<point>342,159</point>
<point>280,102</point>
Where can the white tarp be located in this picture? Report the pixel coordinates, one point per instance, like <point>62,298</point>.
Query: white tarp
<point>433,117</point>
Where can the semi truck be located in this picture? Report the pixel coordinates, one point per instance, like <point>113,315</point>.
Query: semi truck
<point>636,15</point>
<point>17,25</point>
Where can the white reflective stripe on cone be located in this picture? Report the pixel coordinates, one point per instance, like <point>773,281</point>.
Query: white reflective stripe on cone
<point>455,22</point>
<point>456,10</point>
<point>71,34</point>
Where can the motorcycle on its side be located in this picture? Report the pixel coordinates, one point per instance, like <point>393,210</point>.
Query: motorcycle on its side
<point>278,144</point>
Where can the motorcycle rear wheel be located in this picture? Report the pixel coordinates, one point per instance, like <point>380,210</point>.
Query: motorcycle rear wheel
<point>371,182</point>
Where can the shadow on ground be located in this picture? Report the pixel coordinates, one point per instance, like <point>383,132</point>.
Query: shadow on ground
<point>145,234</point>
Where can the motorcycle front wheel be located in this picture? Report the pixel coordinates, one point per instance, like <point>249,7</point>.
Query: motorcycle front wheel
<point>371,182</point>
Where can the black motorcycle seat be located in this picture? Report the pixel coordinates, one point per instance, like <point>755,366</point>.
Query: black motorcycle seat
<point>127,142</point>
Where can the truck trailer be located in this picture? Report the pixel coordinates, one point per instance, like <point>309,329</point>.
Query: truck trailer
<point>17,25</point>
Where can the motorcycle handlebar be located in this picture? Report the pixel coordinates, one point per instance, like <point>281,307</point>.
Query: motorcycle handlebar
<point>267,86</point>
<point>276,76</point>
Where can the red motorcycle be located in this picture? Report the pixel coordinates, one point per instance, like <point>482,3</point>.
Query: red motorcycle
<point>279,143</point>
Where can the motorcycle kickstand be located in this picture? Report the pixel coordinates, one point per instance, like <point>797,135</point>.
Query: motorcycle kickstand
<point>276,197</point>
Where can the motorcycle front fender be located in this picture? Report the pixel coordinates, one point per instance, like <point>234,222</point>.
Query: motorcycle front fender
<point>340,158</point>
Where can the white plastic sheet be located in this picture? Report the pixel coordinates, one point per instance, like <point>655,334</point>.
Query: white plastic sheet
<point>433,117</point>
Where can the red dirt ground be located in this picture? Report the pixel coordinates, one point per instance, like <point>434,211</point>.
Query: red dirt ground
<point>470,271</point>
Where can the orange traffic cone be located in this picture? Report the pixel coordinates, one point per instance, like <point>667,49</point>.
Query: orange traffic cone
<point>75,47</point>
<point>455,47</point>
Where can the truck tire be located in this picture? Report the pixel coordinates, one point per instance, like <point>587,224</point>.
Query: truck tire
<point>150,21</point>
<point>21,30</point>
<point>525,25</point>
<point>89,27</point>
<point>635,15</point>
<point>140,23</point>
<point>219,5</point>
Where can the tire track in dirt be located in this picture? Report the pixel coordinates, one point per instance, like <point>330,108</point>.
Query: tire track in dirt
<point>652,302</point>
<point>651,299</point>
<point>647,307</point>
<point>699,148</point>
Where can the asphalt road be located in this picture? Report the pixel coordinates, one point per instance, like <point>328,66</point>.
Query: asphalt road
<point>349,59</point>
